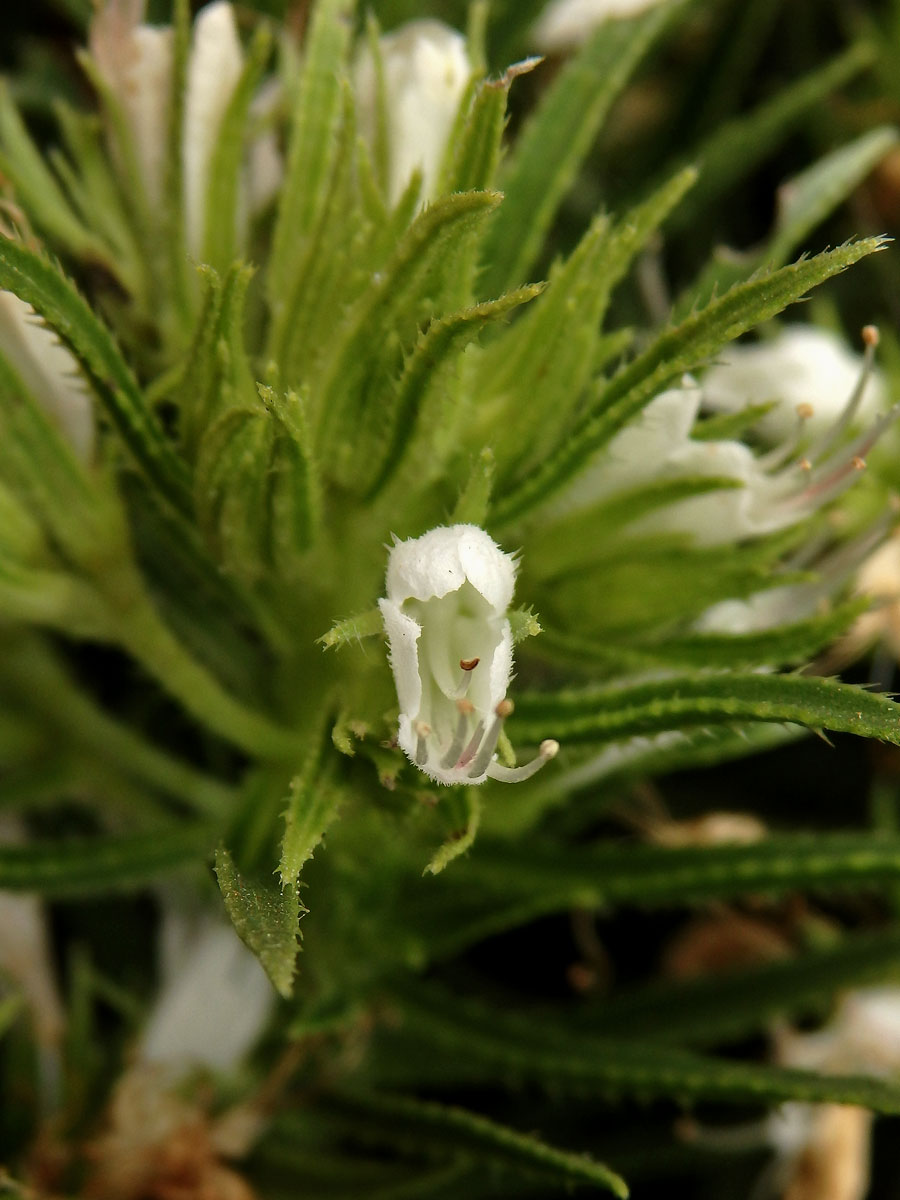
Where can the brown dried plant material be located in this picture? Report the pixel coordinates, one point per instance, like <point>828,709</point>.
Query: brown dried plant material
<point>834,1162</point>
<point>158,1146</point>
<point>722,941</point>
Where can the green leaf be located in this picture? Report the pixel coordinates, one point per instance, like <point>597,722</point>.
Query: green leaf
<point>354,629</point>
<point>461,840</point>
<point>554,344</point>
<point>223,191</point>
<point>785,645</point>
<point>312,144</point>
<point>266,918</point>
<point>684,348</point>
<point>294,485</point>
<point>474,500</point>
<point>97,865</point>
<point>607,714</point>
<point>232,480</point>
<point>804,201</point>
<point>382,325</point>
<point>546,879</point>
<point>406,407</point>
<point>38,191</point>
<point>738,145</point>
<point>313,804</point>
<point>556,140</point>
<point>43,285</point>
<point>808,198</point>
<point>400,1121</point>
<point>469,1042</point>
<point>475,156</point>
<point>740,1002</point>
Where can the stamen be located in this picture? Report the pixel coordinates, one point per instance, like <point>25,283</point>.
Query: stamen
<point>548,749</point>
<point>423,729</point>
<point>779,455</point>
<point>465,708</point>
<point>829,440</point>
<point>467,666</point>
<point>489,745</point>
<point>829,481</point>
<point>474,742</point>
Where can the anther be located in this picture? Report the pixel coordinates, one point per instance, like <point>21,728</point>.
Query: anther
<point>859,464</point>
<point>870,335</point>
<point>548,749</point>
<point>467,666</point>
<point>805,412</point>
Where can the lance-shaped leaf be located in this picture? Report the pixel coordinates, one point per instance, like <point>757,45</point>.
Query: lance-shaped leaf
<point>38,190</point>
<point>441,1129</point>
<point>557,138</point>
<point>782,646</point>
<point>737,145</point>
<point>92,866</point>
<point>554,343</point>
<point>607,714</point>
<point>267,918</point>
<point>410,407</point>
<point>455,1039</point>
<point>312,144</point>
<point>384,323</point>
<point>501,886</point>
<point>684,348</point>
<point>223,191</point>
<point>740,1002</point>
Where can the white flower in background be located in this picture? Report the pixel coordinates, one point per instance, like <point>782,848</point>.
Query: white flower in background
<point>160,1137</point>
<point>776,489</point>
<point>48,370</point>
<point>214,999</point>
<point>214,68</point>
<point>566,23</point>
<point>136,61</point>
<point>823,1149</point>
<point>26,960</point>
<point>803,369</point>
<point>446,620</point>
<point>25,955</point>
<point>426,70</point>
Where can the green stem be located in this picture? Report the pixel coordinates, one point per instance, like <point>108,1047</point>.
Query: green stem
<point>143,633</point>
<point>94,732</point>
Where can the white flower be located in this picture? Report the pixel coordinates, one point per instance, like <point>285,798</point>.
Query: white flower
<point>565,23</point>
<point>823,1149</point>
<point>777,489</point>
<point>25,954</point>
<point>214,68</point>
<point>48,370</point>
<point>214,1000</point>
<point>426,70</point>
<point>446,620</point>
<point>136,61</point>
<point>804,368</point>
